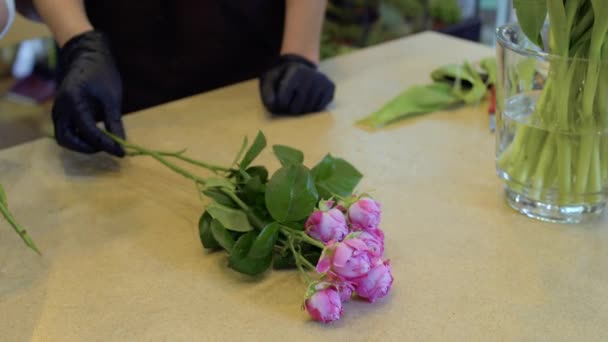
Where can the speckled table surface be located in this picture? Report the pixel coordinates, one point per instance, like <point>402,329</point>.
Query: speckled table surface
<point>122,259</point>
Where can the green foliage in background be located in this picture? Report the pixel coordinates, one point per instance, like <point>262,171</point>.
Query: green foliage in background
<point>353,24</point>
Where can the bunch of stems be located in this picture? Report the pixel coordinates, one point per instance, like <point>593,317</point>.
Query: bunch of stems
<point>563,154</point>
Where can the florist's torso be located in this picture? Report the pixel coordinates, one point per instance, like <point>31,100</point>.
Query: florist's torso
<point>166,50</point>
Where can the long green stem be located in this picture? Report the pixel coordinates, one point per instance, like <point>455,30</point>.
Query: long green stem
<point>158,157</point>
<point>604,158</point>
<point>570,151</point>
<point>588,104</point>
<point>544,163</point>
<point>584,163</point>
<point>564,168</point>
<point>17,227</point>
<point>303,237</point>
<point>298,261</point>
<point>307,263</point>
<point>595,172</point>
<point>179,155</point>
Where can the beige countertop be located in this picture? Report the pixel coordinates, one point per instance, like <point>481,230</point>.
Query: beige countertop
<point>122,259</point>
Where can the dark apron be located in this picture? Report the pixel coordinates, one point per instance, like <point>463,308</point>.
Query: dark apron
<point>166,50</point>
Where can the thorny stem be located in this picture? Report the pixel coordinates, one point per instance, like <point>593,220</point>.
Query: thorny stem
<point>22,232</point>
<point>303,237</point>
<point>298,260</point>
<point>307,263</point>
<point>158,157</point>
<point>180,155</point>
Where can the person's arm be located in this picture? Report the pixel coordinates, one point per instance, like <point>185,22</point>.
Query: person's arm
<point>7,13</point>
<point>90,88</point>
<point>65,18</point>
<point>303,24</point>
<point>294,85</point>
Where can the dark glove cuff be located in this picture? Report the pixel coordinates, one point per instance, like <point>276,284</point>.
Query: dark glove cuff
<point>86,41</point>
<point>89,41</point>
<point>293,58</point>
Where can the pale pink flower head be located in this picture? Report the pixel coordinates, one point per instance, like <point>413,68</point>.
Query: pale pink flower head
<point>364,214</point>
<point>348,259</point>
<point>327,225</point>
<point>376,283</point>
<point>374,239</point>
<point>323,302</point>
<point>345,288</point>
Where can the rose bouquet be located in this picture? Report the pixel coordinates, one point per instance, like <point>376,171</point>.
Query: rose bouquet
<point>298,217</point>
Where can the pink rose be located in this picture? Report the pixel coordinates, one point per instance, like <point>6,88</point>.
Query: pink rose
<point>348,259</point>
<point>323,303</point>
<point>364,214</point>
<point>327,225</point>
<point>376,283</point>
<point>374,239</point>
<point>332,204</point>
<point>345,288</point>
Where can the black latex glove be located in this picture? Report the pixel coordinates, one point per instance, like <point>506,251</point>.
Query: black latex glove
<point>294,86</point>
<point>90,90</point>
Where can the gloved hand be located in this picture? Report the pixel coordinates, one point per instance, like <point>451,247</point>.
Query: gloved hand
<point>90,90</point>
<point>294,86</point>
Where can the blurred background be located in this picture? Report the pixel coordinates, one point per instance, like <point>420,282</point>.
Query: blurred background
<point>354,24</point>
<point>28,55</point>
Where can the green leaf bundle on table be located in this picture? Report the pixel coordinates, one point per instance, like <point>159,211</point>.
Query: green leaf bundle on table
<point>452,85</point>
<point>298,217</point>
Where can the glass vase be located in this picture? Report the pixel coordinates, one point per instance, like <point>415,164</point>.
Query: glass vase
<point>552,131</point>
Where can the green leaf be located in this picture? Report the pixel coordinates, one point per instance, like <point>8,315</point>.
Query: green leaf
<point>531,15</point>
<point>291,194</point>
<point>445,11</point>
<point>241,151</point>
<point>414,101</point>
<point>288,155</point>
<point>218,183</point>
<point>475,93</point>
<point>204,229</point>
<point>297,225</point>
<point>453,74</point>
<point>254,150</point>
<point>264,242</point>
<point>324,169</point>
<point>232,219</point>
<point>252,192</point>
<point>260,171</point>
<point>220,197</point>
<point>466,83</point>
<point>335,176</point>
<point>284,262</point>
<point>241,261</point>
<point>560,39</point>
<point>254,185</point>
<point>221,235</point>
<point>489,66</point>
